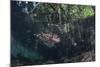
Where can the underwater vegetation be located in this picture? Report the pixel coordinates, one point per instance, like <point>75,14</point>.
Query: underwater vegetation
<point>50,33</point>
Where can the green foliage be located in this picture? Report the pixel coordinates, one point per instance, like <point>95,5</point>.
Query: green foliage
<point>88,11</point>
<point>67,13</point>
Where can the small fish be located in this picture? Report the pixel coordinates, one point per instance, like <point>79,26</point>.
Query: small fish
<point>49,39</point>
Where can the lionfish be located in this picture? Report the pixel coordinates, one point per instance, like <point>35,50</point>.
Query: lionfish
<point>49,39</point>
